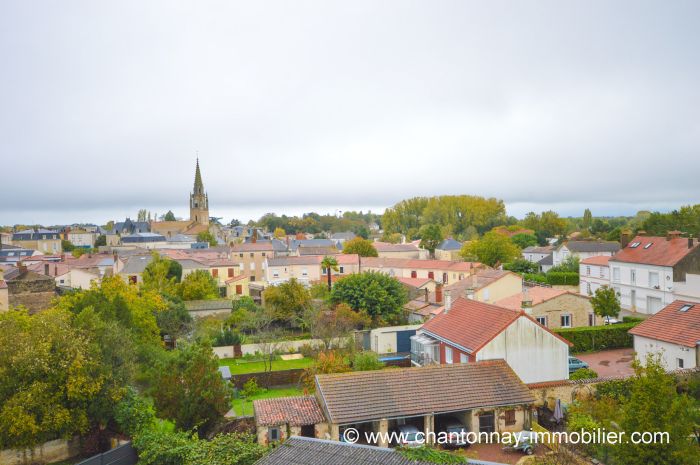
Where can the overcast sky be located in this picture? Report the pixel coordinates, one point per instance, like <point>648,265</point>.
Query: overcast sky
<point>325,105</point>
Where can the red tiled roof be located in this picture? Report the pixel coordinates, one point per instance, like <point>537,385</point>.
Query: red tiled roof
<point>600,260</point>
<point>415,282</point>
<point>385,262</point>
<point>252,247</point>
<point>388,247</point>
<point>662,252</point>
<point>237,278</point>
<point>471,324</point>
<point>535,294</point>
<point>672,325</point>
<point>295,411</point>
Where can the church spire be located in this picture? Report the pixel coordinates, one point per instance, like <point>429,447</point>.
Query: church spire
<point>198,184</point>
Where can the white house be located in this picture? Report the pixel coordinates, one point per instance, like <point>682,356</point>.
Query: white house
<point>689,289</point>
<point>594,273</point>
<point>535,253</point>
<point>673,333</point>
<point>645,272</point>
<point>584,249</point>
<point>468,331</point>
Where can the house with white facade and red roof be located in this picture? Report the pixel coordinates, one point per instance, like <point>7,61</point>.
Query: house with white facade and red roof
<point>468,331</point>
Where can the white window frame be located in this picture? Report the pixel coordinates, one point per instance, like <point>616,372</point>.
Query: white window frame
<point>561,320</point>
<point>448,355</point>
<point>277,432</point>
<point>616,275</point>
<point>463,358</point>
<point>542,320</point>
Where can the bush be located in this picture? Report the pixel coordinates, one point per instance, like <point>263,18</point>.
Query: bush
<point>594,338</point>
<point>366,361</point>
<point>251,388</point>
<point>536,278</point>
<point>563,278</point>
<point>227,338</point>
<point>309,350</point>
<point>632,319</point>
<point>583,373</point>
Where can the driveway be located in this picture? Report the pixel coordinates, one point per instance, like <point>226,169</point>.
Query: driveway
<point>610,362</point>
<point>495,453</point>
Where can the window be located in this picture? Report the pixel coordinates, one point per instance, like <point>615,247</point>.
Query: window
<point>414,274</point>
<point>263,254</point>
<point>431,275</point>
<point>510,417</point>
<point>341,269</point>
<point>239,289</point>
<point>602,272</point>
<point>588,270</point>
<point>215,272</point>
<point>654,280</point>
<point>633,276</point>
<point>616,275</point>
<point>680,363</point>
<point>273,434</point>
<point>448,355</point>
<point>275,275</point>
<point>566,321</point>
<point>230,272</point>
<point>463,358</point>
<point>542,320</point>
<point>304,272</point>
<point>648,245</point>
<point>591,319</point>
<point>240,255</point>
<point>252,255</point>
<point>685,308</point>
<point>634,245</point>
<point>588,288</point>
<point>324,271</point>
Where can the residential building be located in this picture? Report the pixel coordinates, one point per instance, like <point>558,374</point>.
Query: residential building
<point>553,308</point>
<point>12,254</point>
<point>251,257</point>
<point>238,286</point>
<point>583,250</point>
<point>485,396</point>
<point>144,240</point>
<point>26,288</point>
<point>673,333</point>
<point>406,251</point>
<point>281,418</point>
<point>43,240</point>
<point>449,249</point>
<point>594,273</point>
<point>205,308</point>
<point>442,271</point>
<point>469,331</point>
<point>341,237</point>
<point>688,290</point>
<point>487,286</point>
<point>66,276</point>
<point>387,339</point>
<point>542,256</point>
<point>81,238</point>
<point>128,227</point>
<point>644,273</point>
<point>307,269</point>
<point>299,450</point>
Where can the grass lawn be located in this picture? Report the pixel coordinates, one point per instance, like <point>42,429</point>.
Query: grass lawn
<point>239,366</point>
<point>244,407</point>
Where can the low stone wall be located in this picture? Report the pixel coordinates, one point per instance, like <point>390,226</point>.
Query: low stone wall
<point>52,451</point>
<point>271,379</point>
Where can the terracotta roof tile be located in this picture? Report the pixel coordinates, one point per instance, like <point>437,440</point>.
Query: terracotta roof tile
<point>385,262</point>
<point>672,325</point>
<point>599,260</point>
<point>295,411</point>
<point>661,252</point>
<point>392,393</point>
<point>536,295</point>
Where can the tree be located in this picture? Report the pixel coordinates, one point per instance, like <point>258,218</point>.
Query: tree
<point>587,219</point>
<point>175,321</point>
<point>170,216</point>
<point>360,246</point>
<point>491,250</point>
<point>287,300</point>
<point>326,363</point>
<point>523,240</point>
<point>50,375</point>
<point>520,265</point>
<point>142,214</point>
<point>329,264</point>
<point>654,405</point>
<point>198,285</point>
<point>431,237</point>
<point>379,295</point>
<point>188,388</point>
<point>207,236</point>
<point>546,225</point>
<point>67,246</point>
<point>280,233</point>
<point>330,325</point>
<point>101,241</point>
<point>157,275</point>
<point>605,303</point>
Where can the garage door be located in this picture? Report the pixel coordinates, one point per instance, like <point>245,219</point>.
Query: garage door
<point>403,340</point>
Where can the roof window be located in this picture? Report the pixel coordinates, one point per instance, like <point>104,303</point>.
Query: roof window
<point>648,245</point>
<point>685,308</point>
<point>634,245</point>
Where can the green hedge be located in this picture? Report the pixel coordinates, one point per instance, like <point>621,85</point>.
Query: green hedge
<point>537,278</point>
<point>594,338</point>
<point>562,278</point>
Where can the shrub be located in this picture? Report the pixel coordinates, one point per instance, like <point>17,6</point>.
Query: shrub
<point>537,278</point>
<point>583,373</point>
<point>632,319</point>
<point>227,338</point>
<point>366,361</point>
<point>618,389</point>
<point>594,338</point>
<point>431,455</point>
<point>308,350</point>
<point>563,278</point>
<point>251,388</point>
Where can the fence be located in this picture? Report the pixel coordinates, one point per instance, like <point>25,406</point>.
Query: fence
<point>121,455</point>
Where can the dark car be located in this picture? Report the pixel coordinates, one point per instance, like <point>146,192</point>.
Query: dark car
<point>455,431</point>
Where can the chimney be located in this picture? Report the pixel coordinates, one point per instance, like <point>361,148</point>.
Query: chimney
<point>254,237</point>
<point>625,238</point>
<point>46,269</point>
<point>673,235</point>
<point>691,242</point>
<point>438,293</point>
<point>448,301</point>
<point>427,300</point>
<point>641,233</point>
<point>526,303</point>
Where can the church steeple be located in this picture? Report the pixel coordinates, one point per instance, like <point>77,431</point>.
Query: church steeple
<point>199,201</point>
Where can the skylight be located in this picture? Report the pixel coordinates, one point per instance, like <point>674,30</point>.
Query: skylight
<point>648,245</point>
<point>685,308</point>
<point>634,245</point>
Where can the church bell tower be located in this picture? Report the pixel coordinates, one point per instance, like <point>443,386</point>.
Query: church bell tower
<point>199,201</point>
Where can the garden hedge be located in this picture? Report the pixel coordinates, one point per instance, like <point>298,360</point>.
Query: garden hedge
<point>595,338</point>
<point>563,278</point>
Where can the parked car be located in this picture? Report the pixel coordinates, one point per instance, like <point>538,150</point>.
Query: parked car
<point>409,436</point>
<point>456,432</point>
<point>612,321</point>
<point>576,364</point>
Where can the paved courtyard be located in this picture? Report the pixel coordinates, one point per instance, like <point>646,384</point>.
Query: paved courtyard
<point>495,453</point>
<point>610,362</point>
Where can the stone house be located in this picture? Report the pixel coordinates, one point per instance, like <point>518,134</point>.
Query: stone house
<point>26,288</point>
<point>553,308</point>
<point>283,417</point>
